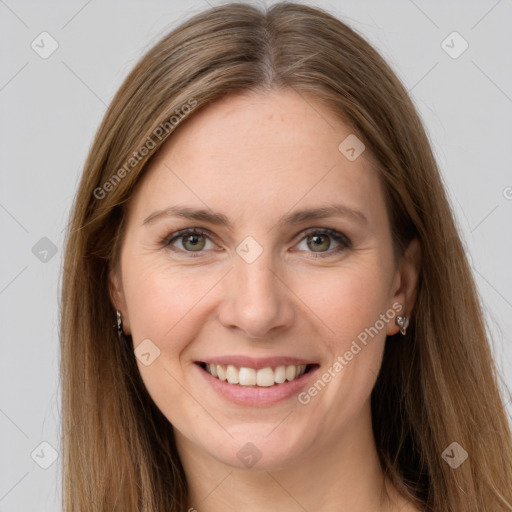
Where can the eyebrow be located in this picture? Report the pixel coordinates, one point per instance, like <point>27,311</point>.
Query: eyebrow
<point>293,218</point>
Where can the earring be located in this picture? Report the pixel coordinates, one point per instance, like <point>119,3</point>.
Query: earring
<point>119,325</point>
<point>403,322</point>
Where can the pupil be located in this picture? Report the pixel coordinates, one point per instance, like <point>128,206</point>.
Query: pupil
<point>194,242</point>
<point>320,242</point>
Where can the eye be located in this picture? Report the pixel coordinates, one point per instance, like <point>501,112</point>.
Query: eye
<point>321,241</point>
<point>189,240</point>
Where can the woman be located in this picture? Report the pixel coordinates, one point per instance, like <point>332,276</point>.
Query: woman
<point>296,326</point>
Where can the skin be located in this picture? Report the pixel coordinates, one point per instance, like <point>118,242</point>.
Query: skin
<point>254,158</point>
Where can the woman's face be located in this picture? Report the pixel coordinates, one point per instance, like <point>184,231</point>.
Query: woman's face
<point>289,268</point>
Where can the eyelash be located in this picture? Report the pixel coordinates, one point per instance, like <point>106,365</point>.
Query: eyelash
<point>343,241</point>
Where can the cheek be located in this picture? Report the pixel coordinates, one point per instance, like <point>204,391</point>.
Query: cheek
<point>347,301</point>
<point>167,307</point>
<point>349,304</point>
<point>159,298</point>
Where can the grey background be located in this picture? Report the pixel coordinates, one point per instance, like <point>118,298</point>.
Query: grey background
<point>50,109</point>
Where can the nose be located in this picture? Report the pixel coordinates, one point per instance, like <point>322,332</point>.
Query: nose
<point>256,300</point>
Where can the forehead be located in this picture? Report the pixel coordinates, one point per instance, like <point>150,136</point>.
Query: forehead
<point>260,152</point>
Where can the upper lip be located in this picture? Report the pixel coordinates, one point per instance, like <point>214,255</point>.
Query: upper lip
<point>256,363</point>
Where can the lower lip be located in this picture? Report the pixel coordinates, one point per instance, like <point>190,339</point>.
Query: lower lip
<point>255,395</point>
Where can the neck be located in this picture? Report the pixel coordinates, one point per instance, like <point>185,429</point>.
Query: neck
<point>342,476</point>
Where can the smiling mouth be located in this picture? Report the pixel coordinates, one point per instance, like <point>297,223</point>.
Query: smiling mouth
<point>263,377</point>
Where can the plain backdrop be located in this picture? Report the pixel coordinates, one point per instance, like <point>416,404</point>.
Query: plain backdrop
<point>49,111</point>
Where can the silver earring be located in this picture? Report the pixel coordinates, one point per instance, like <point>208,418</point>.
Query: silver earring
<point>403,322</point>
<point>119,325</point>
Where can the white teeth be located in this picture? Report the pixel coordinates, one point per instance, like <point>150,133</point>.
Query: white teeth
<point>264,377</point>
<point>280,374</point>
<point>291,372</point>
<point>221,372</point>
<point>247,377</point>
<point>232,374</point>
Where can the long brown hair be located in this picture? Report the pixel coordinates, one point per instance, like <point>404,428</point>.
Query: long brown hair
<point>437,386</point>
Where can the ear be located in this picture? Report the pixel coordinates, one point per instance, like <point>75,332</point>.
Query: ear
<point>115,287</point>
<point>405,284</point>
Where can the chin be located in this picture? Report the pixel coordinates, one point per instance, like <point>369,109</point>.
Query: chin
<point>256,450</point>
